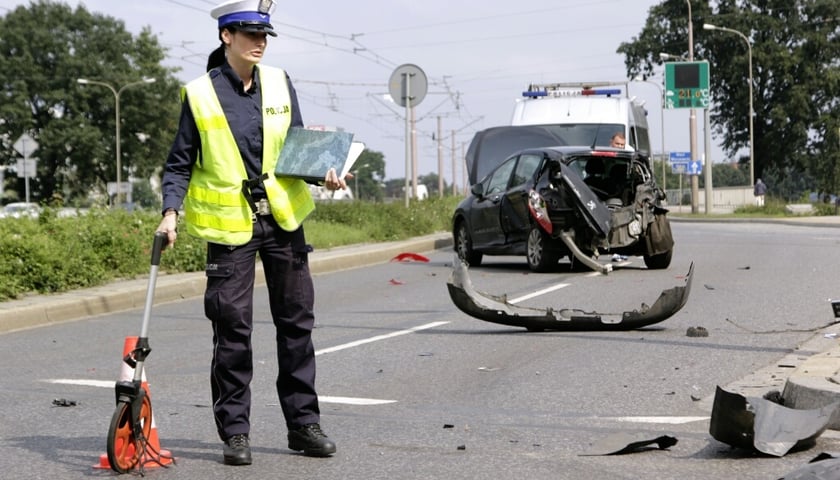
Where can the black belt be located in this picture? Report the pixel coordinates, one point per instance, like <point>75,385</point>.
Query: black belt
<point>259,206</point>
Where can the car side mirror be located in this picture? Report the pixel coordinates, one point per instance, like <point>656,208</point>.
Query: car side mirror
<point>477,190</point>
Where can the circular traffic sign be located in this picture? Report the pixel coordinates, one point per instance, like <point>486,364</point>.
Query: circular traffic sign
<point>408,80</point>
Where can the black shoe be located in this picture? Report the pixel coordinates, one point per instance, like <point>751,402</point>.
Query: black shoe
<point>237,450</point>
<point>311,441</point>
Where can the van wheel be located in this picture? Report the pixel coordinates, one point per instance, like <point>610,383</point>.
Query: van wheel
<point>541,258</point>
<point>660,261</point>
<point>463,246</point>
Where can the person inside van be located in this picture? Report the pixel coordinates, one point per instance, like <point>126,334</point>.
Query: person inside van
<point>618,140</point>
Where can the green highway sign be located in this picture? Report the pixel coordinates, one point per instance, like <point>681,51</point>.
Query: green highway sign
<point>687,85</point>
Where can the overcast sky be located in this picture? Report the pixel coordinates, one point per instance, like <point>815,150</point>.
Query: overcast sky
<point>478,58</point>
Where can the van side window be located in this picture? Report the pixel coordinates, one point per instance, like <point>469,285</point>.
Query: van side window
<point>644,139</point>
<point>632,140</point>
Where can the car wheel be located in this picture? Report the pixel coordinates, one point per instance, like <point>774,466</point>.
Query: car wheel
<point>463,246</point>
<point>660,261</point>
<point>540,257</point>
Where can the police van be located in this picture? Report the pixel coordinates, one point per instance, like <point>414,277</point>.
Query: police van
<point>585,113</point>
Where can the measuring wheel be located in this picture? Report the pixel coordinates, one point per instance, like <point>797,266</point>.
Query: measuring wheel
<point>127,436</point>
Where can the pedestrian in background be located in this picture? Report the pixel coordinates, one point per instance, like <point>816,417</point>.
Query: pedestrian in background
<point>759,191</point>
<point>233,124</point>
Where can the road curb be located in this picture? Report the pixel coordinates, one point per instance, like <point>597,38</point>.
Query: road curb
<point>814,384</point>
<point>41,310</point>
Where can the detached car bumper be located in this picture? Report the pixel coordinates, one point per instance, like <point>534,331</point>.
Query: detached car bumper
<point>497,310</point>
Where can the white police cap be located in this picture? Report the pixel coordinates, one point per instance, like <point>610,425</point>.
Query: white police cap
<point>246,15</point>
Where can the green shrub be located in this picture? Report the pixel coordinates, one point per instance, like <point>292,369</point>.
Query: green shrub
<point>55,254</point>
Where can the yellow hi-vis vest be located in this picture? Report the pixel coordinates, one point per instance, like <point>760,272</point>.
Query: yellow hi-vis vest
<point>215,208</point>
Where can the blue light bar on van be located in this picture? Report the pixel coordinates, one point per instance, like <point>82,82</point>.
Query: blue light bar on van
<point>604,91</point>
<point>571,93</point>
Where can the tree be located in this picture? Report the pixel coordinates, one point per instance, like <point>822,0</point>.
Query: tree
<point>369,171</point>
<point>44,49</point>
<point>796,75</point>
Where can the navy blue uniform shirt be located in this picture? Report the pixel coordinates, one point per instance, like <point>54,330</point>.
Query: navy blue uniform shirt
<point>243,111</point>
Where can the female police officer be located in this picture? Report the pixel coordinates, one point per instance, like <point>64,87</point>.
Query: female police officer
<point>233,123</point>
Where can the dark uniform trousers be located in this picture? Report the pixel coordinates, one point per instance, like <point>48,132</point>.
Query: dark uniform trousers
<point>228,303</point>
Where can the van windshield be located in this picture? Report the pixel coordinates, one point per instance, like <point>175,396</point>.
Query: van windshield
<point>586,134</point>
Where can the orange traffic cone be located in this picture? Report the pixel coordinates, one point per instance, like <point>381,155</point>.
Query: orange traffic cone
<point>153,456</point>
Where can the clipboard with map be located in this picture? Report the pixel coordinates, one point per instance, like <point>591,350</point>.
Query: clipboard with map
<point>309,154</point>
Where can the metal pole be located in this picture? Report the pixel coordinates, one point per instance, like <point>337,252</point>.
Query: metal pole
<point>692,120</point>
<point>752,110</point>
<point>454,167</point>
<point>119,162</point>
<point>25,173</point>
<point>664,157</point>
<point>440,159</point>
<point>453,162</point>
<point>752,113</point>
<point>414,154</point>
<point>707,168</point>
<point>407,84</point>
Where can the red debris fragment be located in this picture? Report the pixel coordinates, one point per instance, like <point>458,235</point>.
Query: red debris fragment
<point>410,257</point>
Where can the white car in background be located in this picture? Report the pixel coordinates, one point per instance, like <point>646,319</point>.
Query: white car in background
<point>21,210</point>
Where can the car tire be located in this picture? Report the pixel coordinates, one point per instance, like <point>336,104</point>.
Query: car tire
<point>463,246</point>
<point>660,261</point>
<point>541,258</point>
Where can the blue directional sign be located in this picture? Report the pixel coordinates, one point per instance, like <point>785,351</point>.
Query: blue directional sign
<point>680,157</point>
<point>679,162</point>
<point>695,167</point>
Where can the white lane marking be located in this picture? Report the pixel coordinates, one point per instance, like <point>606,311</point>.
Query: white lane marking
<point>327,399</point>
<point>354,401</point>
<point>324,399</point>
<point>83,383</point>
<point>378,338</point>
<point>538,293</point>
<point>665,420</point>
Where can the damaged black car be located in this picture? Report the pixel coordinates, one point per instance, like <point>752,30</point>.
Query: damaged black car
<point>540,198</point>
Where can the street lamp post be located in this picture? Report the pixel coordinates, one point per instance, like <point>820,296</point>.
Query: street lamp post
<point>707,26</point>
<point>117,93</point>
<point>692,119</point>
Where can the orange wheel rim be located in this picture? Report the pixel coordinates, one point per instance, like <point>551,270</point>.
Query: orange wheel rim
<point>125,446</point>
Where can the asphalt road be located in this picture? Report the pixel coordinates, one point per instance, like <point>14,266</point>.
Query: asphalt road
<point>413,389</point>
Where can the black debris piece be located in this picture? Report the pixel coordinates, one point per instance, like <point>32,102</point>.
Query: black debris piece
<point>448,425</point>
<point>696,332</point>
<point>774,396</point>
<point>623,443</point>
<point>63,402</point>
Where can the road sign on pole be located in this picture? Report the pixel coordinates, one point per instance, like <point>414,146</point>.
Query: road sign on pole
<point>679,162</point>
<point>687,85</point>
<point>408,86</point>
<point>26,146</point>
